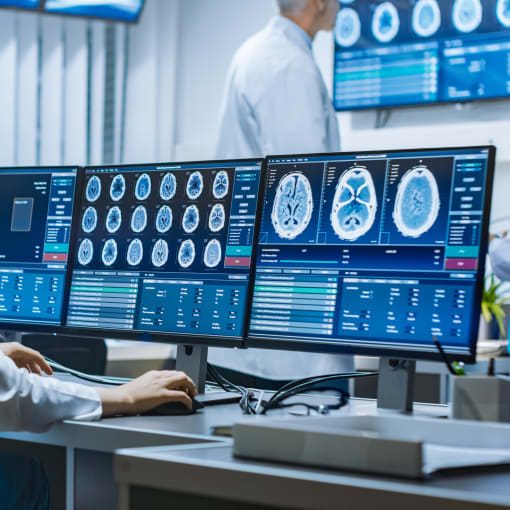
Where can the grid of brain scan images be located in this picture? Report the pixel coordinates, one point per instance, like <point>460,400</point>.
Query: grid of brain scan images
<point>165,249</point>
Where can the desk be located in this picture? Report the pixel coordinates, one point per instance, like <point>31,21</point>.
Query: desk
<point>209,477</point>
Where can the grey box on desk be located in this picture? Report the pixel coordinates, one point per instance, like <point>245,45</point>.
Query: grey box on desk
<point>481,398</point>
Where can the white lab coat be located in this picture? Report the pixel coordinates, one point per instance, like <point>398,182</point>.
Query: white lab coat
<point>276,102</point>
<point>499,253</point>
<point>34,403</point>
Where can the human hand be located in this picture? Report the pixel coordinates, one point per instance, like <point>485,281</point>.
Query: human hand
<point>24,357</point>
<point>148,391</point>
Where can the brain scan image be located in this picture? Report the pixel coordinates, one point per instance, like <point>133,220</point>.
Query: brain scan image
<point>503,12</point>
<point>293,205</point>
<point>143,187</point>
<point>190,219</point>
<point>168,187</point>
<point>118,188</point>
<point>139,219</point>
<point>85,252</point>
<point>467,15</point>
<point>160,253</point>
<point>109,255</point>
<point>93,190</point>
<point>186,255</point>
<point>386,22</point>
<point>217,218</point>
<point>195,185</point>
<point>220,185</point>
<point>135,252</point>
<point>354,204</point>
<point>164,219</point>
<point>417,202</point>
<point>212,253</point>
<point>426,17</point>
<point>348,27</point>
<point>113,219</point>
<point>89,220</point>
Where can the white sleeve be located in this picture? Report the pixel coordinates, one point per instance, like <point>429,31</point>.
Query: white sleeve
<point>35,403</point>
<point>499,252</point>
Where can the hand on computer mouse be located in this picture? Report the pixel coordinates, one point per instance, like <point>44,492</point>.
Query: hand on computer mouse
<point>148,391</point>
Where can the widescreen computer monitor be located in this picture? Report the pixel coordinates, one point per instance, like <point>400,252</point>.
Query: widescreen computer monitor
<point>373,252</point>
<point>420,52</point>
<point>164,252</point>
<point>36,210</point>
<point>115,10</point>
<point>20,4</point>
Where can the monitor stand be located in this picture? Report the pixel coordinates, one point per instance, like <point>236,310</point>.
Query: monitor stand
<point>395,387</point>
<point>192,359</point>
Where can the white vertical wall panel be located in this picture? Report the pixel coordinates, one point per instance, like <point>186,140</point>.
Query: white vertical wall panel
<point>8,87</point>
<point>27,107</point>
<point>75,92</point>
<point>52,88</point>
<point>120,70</point>
<point>96,105</point>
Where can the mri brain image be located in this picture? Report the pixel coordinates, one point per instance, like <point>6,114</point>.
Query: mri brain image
<point>186,255</point>
<point>160,253</point>
<point>109,255</point>
<point>85,252</point>
<point>89,220</point>
<point>354,204</point>
<point>426,17</point>
<point>220,185</point>
<point>118,188</point>
<point>467,15</point>
<point>195,185</point>
<point>293,205</point>
<point>347,28</point>
<point>503,12</point>
<point>164,219</point>
<point>190,219</point>
<point>135,252</point>
<point>93,190</point>
<point>212,253</point>
<point>417,202</point>
<point>168,187</point>
<point>139,219</point>
<point>386,22</point>
<point>143,187</point>
<point>113,220</point>
<point>217,218</point>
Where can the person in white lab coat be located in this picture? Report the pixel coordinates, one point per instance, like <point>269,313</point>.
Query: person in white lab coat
<point>276,102</point>
<point>499,254</point>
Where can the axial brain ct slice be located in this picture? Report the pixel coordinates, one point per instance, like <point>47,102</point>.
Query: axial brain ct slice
<point>348,27</point>
<point>220,185</point>
<point>503,12</point>
<point>426,17</point>
<point>164,219</point>
<point>195,185</point>
<point>160,253</point>
<point>293,205</point>
<point>85,252</point>
<point>386,22</point>
<point>212,253</point>
<point>89,220</point>
<point>139,219</point>
<point>113,220</point>
<point>168,187</point>
<point>143,187</point>
<point>467,15</point>
<point>417,202</point>
<point>118,187</point>
<point>217,218</point>
<point>186,255</point>
<point>354,204</point>
<point>190,219</point>
<point>135,252</point>
<point>93,189</point>
<point>109,255</point>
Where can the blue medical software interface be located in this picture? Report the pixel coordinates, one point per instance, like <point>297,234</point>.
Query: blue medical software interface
<point>165,249</point>
<point>26,4</point>
<point>400,52</point>
<point>375,250</point>
<point>121,10</point>
<point>36,209</point>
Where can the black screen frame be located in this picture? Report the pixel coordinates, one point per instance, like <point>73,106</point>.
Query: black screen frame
<point>253,341</point>
<point>159,337</point>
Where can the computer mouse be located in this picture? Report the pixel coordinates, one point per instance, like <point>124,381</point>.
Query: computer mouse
<point>176,409</point>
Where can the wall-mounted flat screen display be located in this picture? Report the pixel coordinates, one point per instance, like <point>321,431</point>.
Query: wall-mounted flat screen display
<point>21,4</point>
<point>118,10</point>
<point>409,52</point>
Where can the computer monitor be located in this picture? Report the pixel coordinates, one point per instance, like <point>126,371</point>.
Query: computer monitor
<point>114,10</point>
<point>36,209</point>
<point>20,4</point>
<point>163,252</point>
<point>373,252</point>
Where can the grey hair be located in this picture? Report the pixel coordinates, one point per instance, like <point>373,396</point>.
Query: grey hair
<point>291,5</point>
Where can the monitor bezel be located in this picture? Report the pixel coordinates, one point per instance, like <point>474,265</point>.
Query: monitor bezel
<point>37,327</point>
<point>159,337</point>
<point>254,341</point>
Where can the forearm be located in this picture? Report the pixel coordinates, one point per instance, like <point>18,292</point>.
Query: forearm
<point>115,401</point>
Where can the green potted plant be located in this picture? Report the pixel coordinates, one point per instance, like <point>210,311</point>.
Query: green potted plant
<point>492,308</point>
